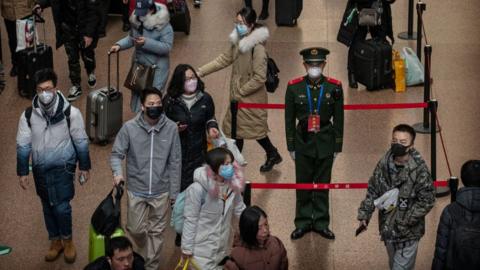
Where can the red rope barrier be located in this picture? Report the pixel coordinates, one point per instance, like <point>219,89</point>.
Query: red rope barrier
<point>345,107</point>
<point>439,183</point>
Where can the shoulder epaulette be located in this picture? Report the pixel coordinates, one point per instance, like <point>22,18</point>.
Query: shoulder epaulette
<point>295,81</point>
<point>334,81</point>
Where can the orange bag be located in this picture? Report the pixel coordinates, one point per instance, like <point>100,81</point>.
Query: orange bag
<point>398,64</point>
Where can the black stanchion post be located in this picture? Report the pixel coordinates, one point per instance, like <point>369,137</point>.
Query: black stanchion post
<point>440,191</point>
<point>234,111</point>
<point>453,184</point>
<point>424,127</point>
<point>421,7</point>
<point>247,194</point>
<point>409,35</point>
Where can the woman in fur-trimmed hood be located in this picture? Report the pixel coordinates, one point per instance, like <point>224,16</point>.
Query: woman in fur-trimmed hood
<point>248,58</point>
<point>152,36</point>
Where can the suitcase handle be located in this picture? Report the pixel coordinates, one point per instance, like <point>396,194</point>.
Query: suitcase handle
<point>35,33</point>
<point>112,94</point>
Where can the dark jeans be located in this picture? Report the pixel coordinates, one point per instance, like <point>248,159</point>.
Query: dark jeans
<point>125,16</point>
<point>58,219</point>
<point>11,27</point>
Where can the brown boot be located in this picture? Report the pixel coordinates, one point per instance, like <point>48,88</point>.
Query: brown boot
<point>56,248</point>
<point>69,253</point>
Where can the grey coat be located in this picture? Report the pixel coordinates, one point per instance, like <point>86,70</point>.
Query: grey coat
<point>154,157</point>
<point>158,34</point>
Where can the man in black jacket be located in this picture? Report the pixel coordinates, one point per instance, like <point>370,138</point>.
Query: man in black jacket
<point>77,28</point>
<point>120,256</point>
<point>458,235</point>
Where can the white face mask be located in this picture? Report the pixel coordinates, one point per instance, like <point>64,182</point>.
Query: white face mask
<point>191,85</point>
<point>314,72</point>
<point>46,97</point>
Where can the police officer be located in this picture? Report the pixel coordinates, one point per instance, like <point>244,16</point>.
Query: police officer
<point>316,101</point>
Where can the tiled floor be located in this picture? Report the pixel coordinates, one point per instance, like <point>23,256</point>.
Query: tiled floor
<point>453,30</point>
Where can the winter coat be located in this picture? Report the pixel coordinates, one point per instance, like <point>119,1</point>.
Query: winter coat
<point>153,156</point>
<point>51,145</point>
<point>272,256</point>
<point>101,263</point>
<point>469,200</point>
<point>13,10</point>
<point>208,220</point>
<point>158,34</point>
<point>82,16</point>
<point>416,198</point>
<point>248,58</point>
<point>199,118</point>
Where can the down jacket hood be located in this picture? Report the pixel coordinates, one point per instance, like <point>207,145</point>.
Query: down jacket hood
<point>469,197</point>
<point>158,20</point>
<point>257,36</point>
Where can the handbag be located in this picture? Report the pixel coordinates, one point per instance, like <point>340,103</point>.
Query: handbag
<point>371,16</point>
<point>348,27</point>
<point>187,264</point>
<point>415,72</point>
<point>139,77</point>
<point>106,218</point>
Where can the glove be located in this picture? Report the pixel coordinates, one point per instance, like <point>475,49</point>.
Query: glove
<point>292,155</point>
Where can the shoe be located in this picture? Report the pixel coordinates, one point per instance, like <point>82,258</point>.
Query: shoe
<point>263,15</point>
<point>56,247</point>
<point>13,71</point>
<point>74,93</point>
<point>326,233</point>
<point>352,82</point>
<point>178,240</point>
<point>69,254</point>
<point>197,3</point>
<point>92,80</point>
<point>298,233</point>
<point>272,159</point>
<point>4,250</point>
<point>126,27</point>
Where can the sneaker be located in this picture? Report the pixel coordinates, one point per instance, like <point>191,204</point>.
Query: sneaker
<point>197,3</point>
<point>74,93</point>
<point>4,250</point>
<point>92,80</point>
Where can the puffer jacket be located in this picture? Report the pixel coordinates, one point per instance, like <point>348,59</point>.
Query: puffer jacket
<point>469,200</point>
<point>50,143</point>
<point>199,118</point>
<point>416,198</point>
<point>248,58</point>
<point>208,220</point>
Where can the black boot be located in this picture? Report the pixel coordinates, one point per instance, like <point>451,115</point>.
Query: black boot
<point>264,14</point>
<point>352,82</point>
<point>272,159</point>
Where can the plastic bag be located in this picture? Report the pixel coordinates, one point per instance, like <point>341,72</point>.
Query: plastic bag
<point>230,144</point>
<point>414,69</point>
<point>187,264</point>
<point>106,218</point>
<point>25,34</point>
<point>388,201</point>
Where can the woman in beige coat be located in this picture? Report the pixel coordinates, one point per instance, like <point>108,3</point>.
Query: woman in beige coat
<point>248,58</point>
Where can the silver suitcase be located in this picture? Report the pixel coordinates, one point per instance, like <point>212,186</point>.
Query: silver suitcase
<point>104,110</point>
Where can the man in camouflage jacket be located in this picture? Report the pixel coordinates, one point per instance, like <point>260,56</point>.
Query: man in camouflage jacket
<point>401,224</point>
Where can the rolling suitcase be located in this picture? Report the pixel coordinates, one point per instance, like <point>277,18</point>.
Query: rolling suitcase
<point>104,110</point>
<point>179,16</point>
<point>287,12</point>
<point>96,242</point>
<point>373,63</point>
<point>31,60</point>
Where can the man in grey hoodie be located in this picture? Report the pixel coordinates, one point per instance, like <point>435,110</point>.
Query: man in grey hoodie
<point>151,144</point>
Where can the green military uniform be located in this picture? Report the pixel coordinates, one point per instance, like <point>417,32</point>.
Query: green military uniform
<point>314,151</point>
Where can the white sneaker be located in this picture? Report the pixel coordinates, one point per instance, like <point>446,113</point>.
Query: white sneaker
<point>92,80</point>
<point>74,93</point>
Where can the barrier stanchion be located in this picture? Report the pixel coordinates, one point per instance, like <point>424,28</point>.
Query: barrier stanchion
<point>421,7</point>
<point>453,184</point>
<point>234,111</point>
<point>440,190</point>
<point>247,194</point>
<point>409,35</point>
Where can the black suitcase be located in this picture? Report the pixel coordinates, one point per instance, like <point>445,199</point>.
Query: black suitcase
<point>287,12</point>
<point>179,16</point>
<point>31,60</point>
<point>373,63</point>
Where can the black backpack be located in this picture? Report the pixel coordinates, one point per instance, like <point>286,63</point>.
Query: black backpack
<point>106,217</point>
<point>272,74</point>
<point>464,242</point>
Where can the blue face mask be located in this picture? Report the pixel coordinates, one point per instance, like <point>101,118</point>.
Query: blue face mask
<point>226,171</point>
<point>242,29</point>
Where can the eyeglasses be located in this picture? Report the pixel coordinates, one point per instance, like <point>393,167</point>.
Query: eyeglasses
<point>39,89</point>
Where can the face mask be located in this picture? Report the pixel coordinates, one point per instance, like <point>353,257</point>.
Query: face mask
<point>398,150</point>
<point>46,97</point>
<point>242,29</point>
<point>314,72</point>
<point>154,112</point>
<point>191,85</point>
<point>226,171</point>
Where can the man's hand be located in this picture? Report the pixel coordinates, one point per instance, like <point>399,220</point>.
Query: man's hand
<point>139,41</point>
<point>117,179</point>
<point>86,175</point>
<point>181,127</point>
<point>37,9</point>
<point>186,256</point>
<point>115,48</point>
<point>292,154</point>
<point>88,41</point>
<point>23,180</point>
<point>213,133</point>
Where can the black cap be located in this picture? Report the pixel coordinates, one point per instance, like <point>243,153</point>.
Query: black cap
<point>314,54</point>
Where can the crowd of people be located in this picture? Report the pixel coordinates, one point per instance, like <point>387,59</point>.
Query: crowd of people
<point>165,148</point>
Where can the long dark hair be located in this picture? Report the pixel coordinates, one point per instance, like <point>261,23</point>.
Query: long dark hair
<point>216,157</point>
<point>249,225</point>
<point>175,88</point>
<point>249,16</point>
